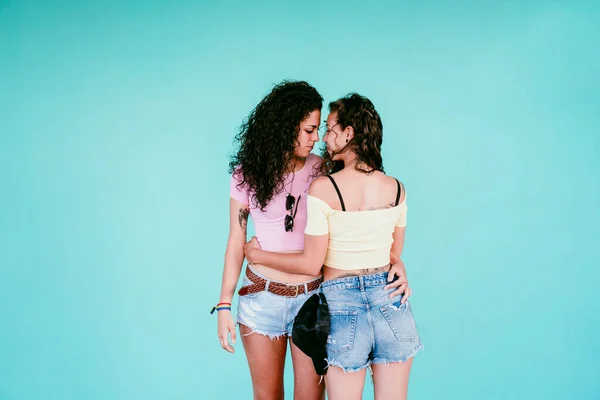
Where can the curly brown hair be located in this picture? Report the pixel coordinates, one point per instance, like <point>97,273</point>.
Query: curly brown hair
<point>358,112</point>
<point>268,136</point>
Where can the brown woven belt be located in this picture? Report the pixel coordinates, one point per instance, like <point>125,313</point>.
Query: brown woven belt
<point>282,289</point>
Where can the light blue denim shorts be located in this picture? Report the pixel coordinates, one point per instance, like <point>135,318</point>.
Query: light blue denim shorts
<point>267,313</point>
<point>367,326</point>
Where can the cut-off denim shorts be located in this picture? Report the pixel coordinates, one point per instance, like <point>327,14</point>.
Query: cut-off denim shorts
<point>367,326</point>
<point>267,313</point>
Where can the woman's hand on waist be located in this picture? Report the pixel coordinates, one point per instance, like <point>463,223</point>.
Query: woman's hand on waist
<point>400,284</point>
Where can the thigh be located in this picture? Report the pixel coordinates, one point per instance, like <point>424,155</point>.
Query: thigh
<point>266,359</point>
<point>342,385</point>
<point>391,380</point>
<point>307,384</point>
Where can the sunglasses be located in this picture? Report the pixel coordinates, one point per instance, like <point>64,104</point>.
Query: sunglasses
<point>290,202</point>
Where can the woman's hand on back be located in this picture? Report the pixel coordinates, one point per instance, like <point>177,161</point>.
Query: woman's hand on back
<point>250,249</point>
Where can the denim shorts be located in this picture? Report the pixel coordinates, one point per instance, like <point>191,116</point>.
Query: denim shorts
<point>267,313</point>
<point>367,327</point>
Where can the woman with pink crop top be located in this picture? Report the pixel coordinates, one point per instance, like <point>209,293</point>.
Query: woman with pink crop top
<point>271,173</point>
<point>356,216</point>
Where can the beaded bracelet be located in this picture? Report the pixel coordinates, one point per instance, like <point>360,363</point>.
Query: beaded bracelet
<point>220,307</point>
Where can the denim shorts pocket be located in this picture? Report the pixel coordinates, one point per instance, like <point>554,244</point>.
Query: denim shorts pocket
<point>341,331</point>
<point>252,295</point>
<point>248,282</point>
<point>401,321</point>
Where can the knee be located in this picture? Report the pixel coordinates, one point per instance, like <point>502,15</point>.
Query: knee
<point>312,391</point>
<point>268,392</point>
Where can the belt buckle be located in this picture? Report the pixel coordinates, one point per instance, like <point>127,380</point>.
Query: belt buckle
<point>297,287</point>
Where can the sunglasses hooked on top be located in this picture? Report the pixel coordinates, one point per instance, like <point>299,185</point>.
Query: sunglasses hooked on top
<point>290,202</point>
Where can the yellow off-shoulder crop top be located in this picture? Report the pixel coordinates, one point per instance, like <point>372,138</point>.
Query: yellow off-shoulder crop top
<point>357,239</point>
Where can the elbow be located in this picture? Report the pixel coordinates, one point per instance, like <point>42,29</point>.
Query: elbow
<point>313,268</point>
<point>313,263</point>
<point>234,255</point>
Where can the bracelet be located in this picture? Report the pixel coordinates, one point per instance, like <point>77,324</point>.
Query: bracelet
<point>220,307</point>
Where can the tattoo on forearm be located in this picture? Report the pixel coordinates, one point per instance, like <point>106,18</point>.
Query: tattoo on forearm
<point>243,218</point>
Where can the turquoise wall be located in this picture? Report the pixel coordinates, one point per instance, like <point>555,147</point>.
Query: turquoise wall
<point>115,124</point>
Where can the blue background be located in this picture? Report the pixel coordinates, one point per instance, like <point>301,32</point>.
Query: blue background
<point>116,119</point>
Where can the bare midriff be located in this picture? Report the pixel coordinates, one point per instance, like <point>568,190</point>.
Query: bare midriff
<point>280,276</point>
<point>334,273</point>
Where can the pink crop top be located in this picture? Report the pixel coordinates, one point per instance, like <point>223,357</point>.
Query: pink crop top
<point>269,224</point>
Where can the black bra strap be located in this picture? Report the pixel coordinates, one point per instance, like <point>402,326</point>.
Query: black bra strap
<point>338,192</point>
<point>398,193</point>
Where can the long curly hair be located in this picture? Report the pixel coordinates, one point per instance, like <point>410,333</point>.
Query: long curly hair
<point>358,112</point>
<point>267,138</point>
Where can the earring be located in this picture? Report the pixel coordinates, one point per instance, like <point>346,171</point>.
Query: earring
<point>346,140</point>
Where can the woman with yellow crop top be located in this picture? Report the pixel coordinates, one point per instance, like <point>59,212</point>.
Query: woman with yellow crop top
<point>356,216</point>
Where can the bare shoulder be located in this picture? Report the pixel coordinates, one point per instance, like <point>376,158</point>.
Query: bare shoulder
<point>392,181</point>
<point>323,189</point>
<point>319,187</point>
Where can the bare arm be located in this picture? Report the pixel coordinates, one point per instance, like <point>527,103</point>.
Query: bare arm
<point>234,257</point>
<point>398,245</point>
<point>309,262</point>
<point>401,284</point>
<point>234,254</point>
<point>399,232</point>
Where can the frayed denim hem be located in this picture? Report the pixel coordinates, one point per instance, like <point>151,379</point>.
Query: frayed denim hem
<point>398,360</point>
<point>270,335</point>
<point>333,363</point>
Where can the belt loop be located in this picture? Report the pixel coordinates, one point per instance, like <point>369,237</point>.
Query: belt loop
<point>305,288</point>
<point>267,285</point>
<point>361,280</point>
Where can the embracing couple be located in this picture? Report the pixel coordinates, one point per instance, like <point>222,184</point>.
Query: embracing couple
<point>331,225</point>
